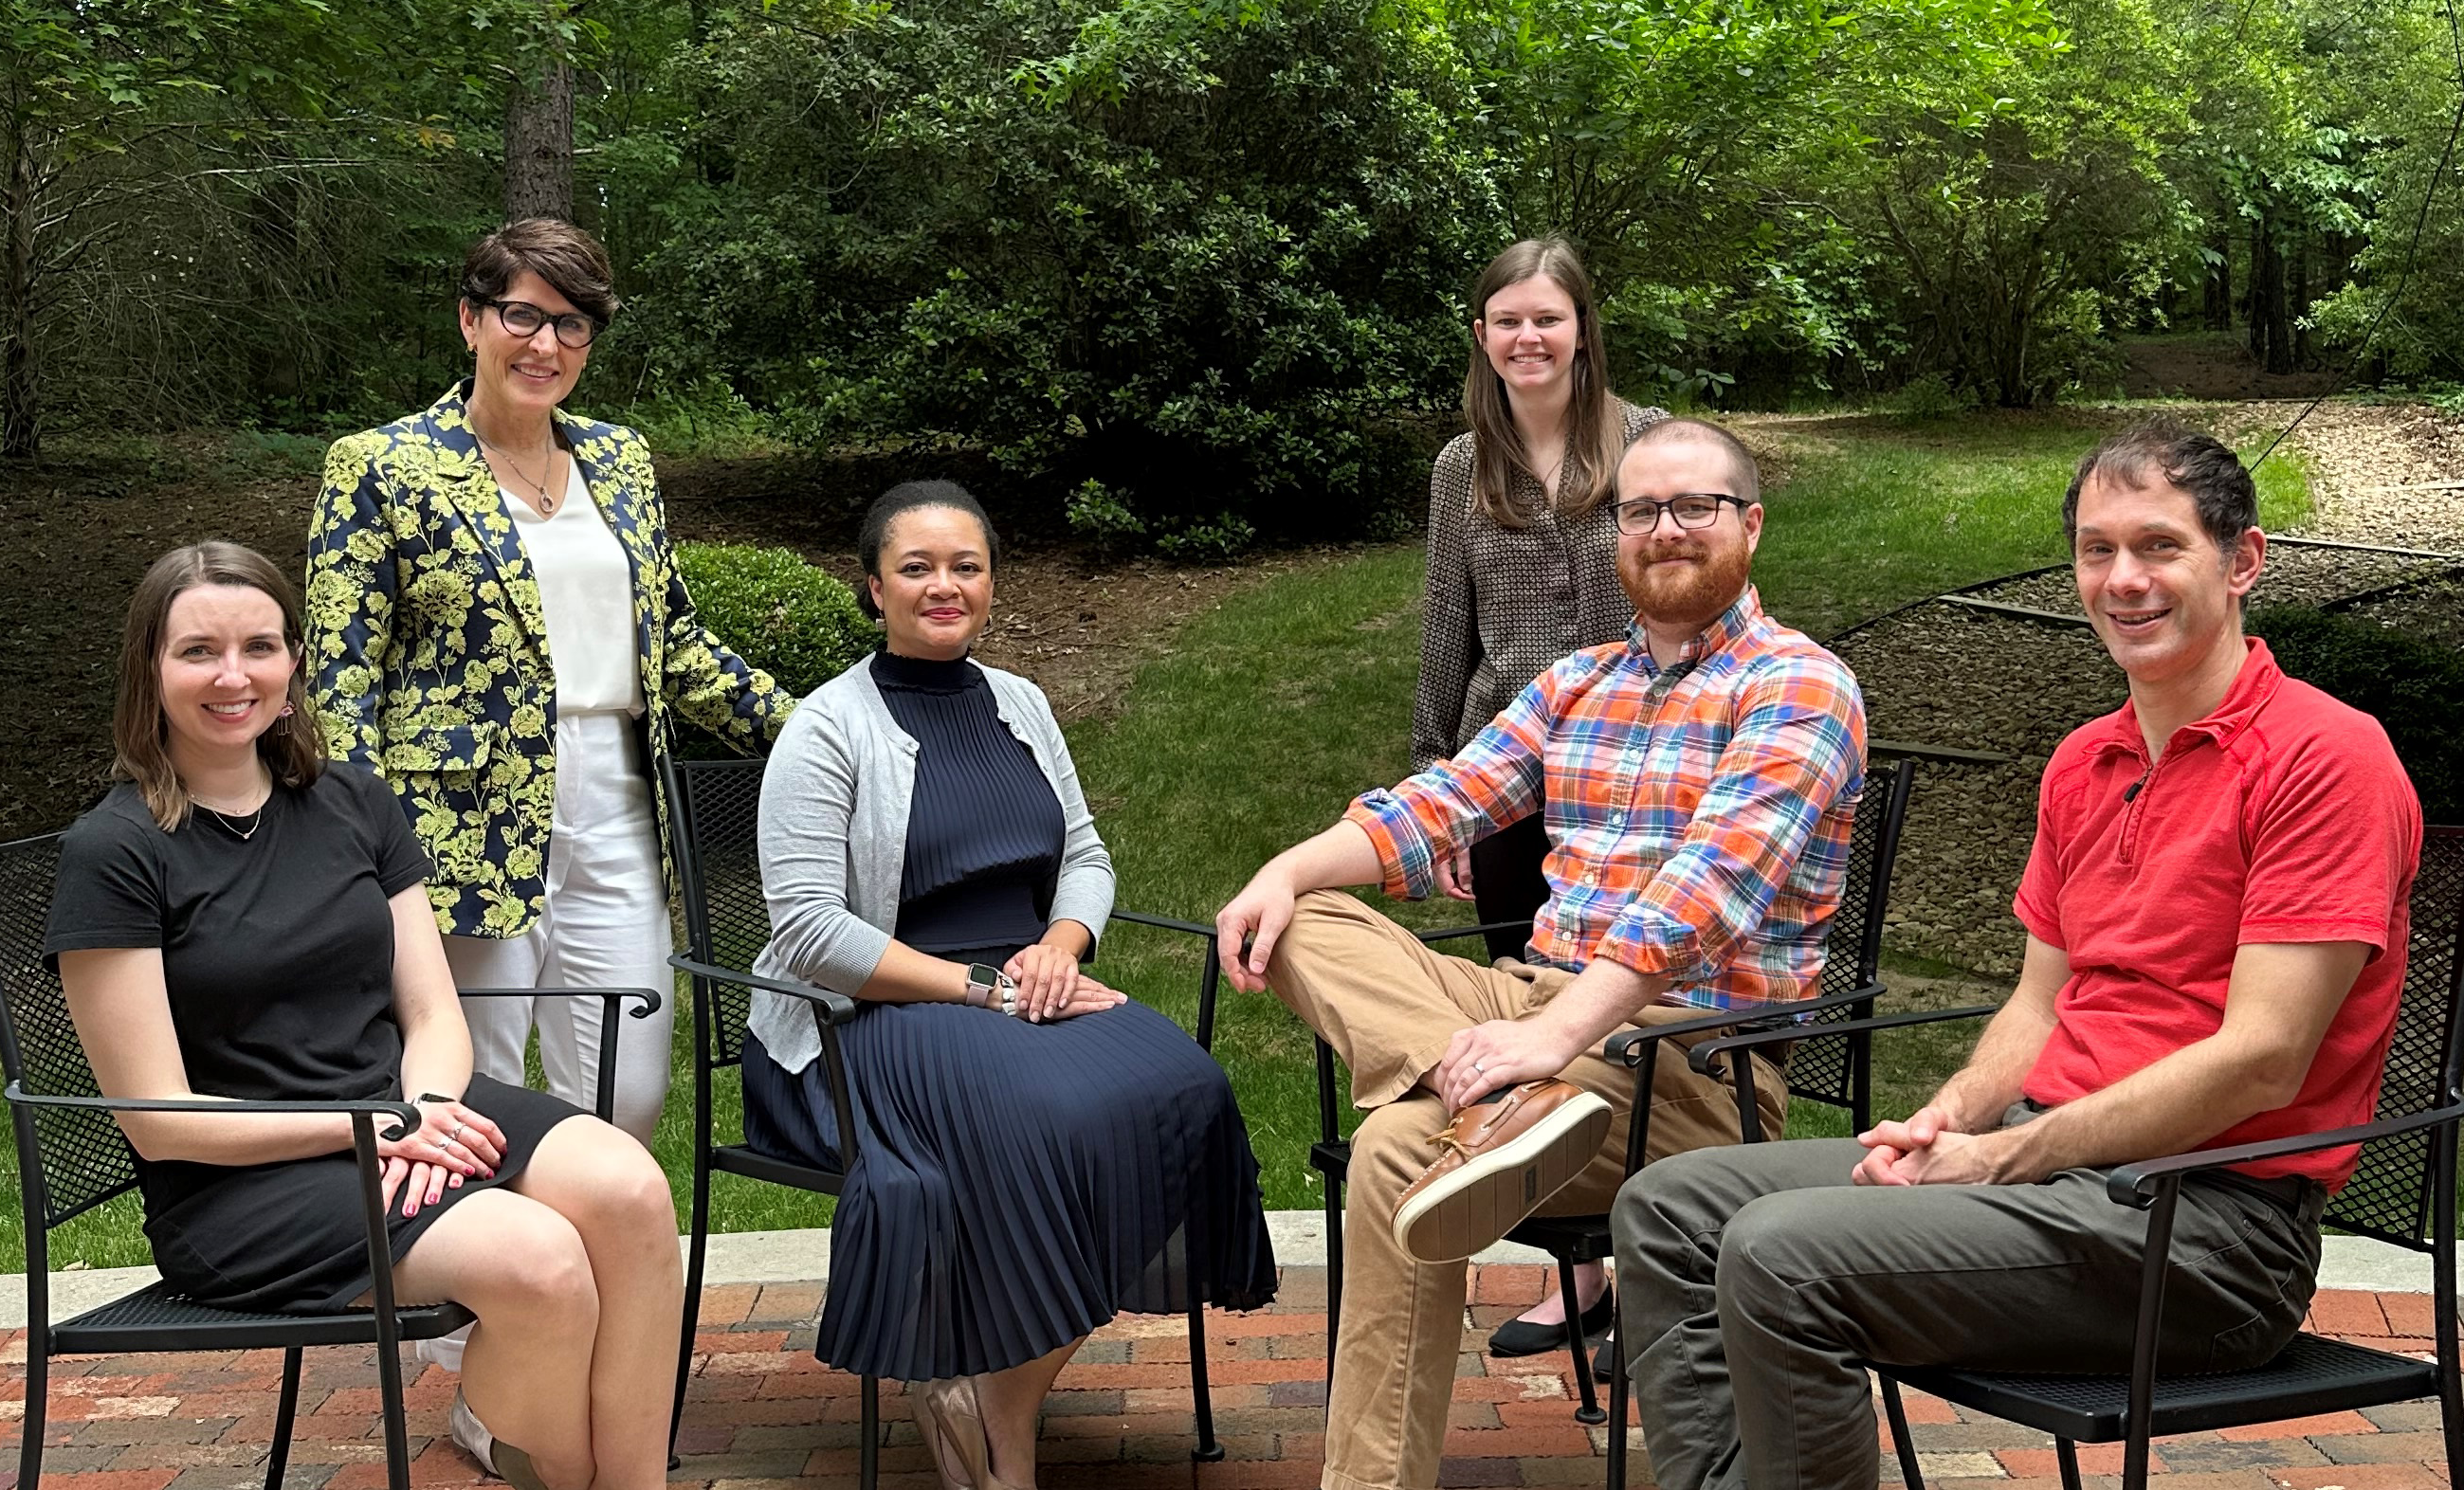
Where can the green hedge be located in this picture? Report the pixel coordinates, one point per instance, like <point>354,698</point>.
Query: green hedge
<point>2414,688</point>
<point>777,612</point>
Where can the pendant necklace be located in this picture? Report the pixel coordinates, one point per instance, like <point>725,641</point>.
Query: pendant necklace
<point>546,503</point>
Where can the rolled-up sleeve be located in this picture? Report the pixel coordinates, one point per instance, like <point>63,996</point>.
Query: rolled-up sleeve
<point>1494,780</point>
<point>1797,748</point>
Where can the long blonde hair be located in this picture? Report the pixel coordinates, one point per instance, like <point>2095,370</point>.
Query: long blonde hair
<point>1595,432</point>
<point>141,735</point>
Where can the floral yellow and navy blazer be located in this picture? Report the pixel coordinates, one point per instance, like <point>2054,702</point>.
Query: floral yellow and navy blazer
<point>429,654</point>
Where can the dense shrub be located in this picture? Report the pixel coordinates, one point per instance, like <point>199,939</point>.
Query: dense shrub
<point>1198,256</point>
<point>777,612</point>
<point>2415,689</point>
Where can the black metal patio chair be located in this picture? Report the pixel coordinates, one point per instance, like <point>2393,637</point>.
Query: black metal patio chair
<point>72,1157</point>
<point>713,811</point>
<point>2404,1192</point>
<point>1822,1065</point>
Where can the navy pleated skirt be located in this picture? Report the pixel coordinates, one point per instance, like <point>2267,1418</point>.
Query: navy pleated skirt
<point>1016,1185</point>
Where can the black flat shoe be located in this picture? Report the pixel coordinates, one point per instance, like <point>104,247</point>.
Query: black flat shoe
<point>1604,1359</point>
<point>1522,1337</point>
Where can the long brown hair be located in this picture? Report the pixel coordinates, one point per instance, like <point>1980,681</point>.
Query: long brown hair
<point>1595,432</point>
<point>141,735</point>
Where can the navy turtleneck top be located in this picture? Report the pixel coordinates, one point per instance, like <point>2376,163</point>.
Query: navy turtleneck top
<point>984,829</point>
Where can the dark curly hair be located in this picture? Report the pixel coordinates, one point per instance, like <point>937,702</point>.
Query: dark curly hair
<point>2165,448</point>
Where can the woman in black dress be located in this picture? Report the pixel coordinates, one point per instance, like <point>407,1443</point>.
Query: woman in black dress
<point>238,919</point>
<point>1016,1181</point>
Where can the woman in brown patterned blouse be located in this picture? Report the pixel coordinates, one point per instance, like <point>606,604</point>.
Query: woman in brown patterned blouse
<point>1522,570</point>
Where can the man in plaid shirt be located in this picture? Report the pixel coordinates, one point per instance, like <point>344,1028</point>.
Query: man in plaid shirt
<point>1698,782</point>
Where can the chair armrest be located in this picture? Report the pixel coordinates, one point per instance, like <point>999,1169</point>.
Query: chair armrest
<point>1627,1045</point>
<point>648,996</point>
<point>830,1006</point>
<point>1449,934</point>
<point>1141,918</point>
<point>1210,968</point>
<point>1702,1054</point>
<point>2137,1183</point>
<point>402,1112</point>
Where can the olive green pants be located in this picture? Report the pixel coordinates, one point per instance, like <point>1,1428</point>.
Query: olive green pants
<point>1753,1283</point>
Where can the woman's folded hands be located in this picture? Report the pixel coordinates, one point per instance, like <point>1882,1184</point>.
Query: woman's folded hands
<point>1051,987</point>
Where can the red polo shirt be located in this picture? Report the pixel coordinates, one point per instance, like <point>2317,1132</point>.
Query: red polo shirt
<point>2281,816</point>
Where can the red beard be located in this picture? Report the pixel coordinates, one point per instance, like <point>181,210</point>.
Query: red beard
<point>1687,596</point>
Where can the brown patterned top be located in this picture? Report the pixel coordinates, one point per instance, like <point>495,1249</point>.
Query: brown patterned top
<point>1502,605</point>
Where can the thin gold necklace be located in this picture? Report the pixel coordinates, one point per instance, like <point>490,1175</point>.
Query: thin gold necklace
<point>256,819</point>
<point>546,503</point>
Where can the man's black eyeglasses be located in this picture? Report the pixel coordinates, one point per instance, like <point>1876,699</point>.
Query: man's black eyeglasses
<point>1691,509</point>
<point>523,319</point>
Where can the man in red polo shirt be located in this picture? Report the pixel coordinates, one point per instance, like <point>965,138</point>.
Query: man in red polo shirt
<point>2215,907</point>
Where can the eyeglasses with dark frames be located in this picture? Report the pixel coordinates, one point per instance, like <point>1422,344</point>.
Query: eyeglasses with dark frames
<point>1691,509</point>
<point>523,318</point>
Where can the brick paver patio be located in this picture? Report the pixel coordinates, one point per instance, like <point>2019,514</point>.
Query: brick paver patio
<point>762,1415</point>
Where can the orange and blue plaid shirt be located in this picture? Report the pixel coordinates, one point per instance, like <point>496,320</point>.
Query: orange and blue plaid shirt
<point>1698,814</point>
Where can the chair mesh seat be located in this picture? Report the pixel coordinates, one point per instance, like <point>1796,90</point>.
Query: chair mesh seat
<point>2312,1376</point>
<point>153,1317</point>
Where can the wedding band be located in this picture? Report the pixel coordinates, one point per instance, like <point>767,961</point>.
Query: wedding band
<point>459,1128</point>
<point>1479,1070</point>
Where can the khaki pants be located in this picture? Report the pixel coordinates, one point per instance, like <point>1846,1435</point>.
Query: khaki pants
<point>1389,1006</point>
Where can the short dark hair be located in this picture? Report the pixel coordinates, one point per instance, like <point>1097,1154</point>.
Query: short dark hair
<point>1742,467</point>
<point>290,747</point>
<point>906,497</point>
<point>2164,448</point>
<point>570,260</point>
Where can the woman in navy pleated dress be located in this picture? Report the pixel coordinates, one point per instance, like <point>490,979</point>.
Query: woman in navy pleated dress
<point>1034,1151</point>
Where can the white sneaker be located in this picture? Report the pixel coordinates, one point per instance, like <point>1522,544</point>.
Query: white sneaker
<point>444,1350</point>
<point>472,1433</point>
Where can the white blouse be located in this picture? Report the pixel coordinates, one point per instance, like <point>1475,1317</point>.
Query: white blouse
<point>586,593</point>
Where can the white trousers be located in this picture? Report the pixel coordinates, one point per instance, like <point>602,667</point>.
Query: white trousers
<point>606,925</point>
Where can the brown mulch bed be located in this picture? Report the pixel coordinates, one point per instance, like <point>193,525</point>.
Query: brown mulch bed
<point>78,528</point>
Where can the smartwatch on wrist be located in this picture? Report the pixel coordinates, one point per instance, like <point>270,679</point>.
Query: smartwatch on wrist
<point>986,982</point>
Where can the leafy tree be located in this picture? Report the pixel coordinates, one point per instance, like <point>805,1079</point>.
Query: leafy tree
<point>2023,237</point>
<point>2403,68</point>
<point>1194,251</point>
<point>106,105</point>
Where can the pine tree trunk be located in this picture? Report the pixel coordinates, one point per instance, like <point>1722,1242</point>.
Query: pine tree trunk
<point>2300,302</point>
<point>20,407</point>
<point>2218,303</point>
<point>538,147</point>
<point>2271,326</point>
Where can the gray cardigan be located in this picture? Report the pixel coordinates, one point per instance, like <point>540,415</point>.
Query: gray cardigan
<point>833,840</point>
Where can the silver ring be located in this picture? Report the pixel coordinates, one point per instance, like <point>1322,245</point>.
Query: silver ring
<point>1479,1070</point>
<point>455,1136</point>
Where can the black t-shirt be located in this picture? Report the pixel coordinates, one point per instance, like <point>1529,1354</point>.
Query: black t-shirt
<point>277,950</point>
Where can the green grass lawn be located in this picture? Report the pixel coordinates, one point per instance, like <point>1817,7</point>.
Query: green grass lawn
<point>1873,512</point>
<point>1273,711</point>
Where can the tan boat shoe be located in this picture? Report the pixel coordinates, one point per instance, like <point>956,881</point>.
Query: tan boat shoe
<point>1502,1159</point>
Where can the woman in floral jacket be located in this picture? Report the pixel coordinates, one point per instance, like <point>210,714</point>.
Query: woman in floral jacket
<point>497,626</point>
